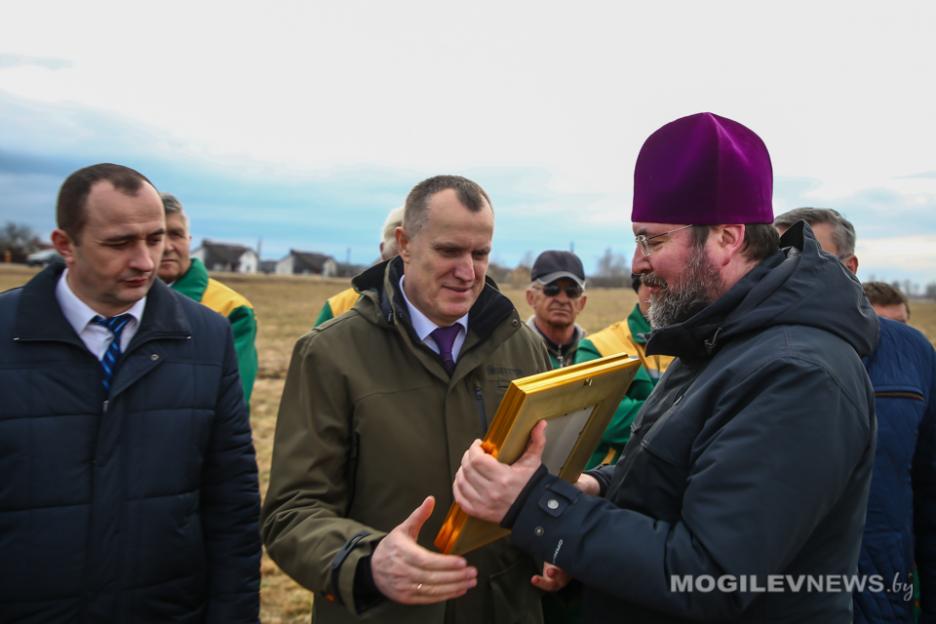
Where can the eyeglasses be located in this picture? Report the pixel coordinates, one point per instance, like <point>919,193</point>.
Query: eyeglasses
<point>572,292</point>
<point>643,241</point>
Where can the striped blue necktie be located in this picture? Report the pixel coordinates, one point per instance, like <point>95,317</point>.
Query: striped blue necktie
<point>116,325</point>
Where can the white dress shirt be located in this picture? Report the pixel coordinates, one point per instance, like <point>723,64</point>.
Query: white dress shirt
<point>423,327</point>
<point>96,337</point>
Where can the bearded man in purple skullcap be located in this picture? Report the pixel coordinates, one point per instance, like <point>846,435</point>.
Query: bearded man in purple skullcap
<point>745,480</point>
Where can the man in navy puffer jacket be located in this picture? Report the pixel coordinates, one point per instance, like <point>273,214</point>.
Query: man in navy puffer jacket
<point>901,520</point>
<point>129,490</point>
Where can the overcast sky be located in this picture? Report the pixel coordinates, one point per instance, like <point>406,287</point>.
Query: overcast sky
<point>303,123</point>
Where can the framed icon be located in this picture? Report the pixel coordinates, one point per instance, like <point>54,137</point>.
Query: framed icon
<point>578,401</point>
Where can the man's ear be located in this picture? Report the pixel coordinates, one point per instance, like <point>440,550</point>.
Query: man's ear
<point>403,240</point>
<point>582,301</point>
<point>729,241</point>
<point>852,264</point>
<point>64,245</point>
<point>530,296</point>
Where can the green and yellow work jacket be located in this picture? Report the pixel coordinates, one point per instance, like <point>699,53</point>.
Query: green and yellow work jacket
<point>337,305</point>
<point>627,336</point>
<point>233,306</point>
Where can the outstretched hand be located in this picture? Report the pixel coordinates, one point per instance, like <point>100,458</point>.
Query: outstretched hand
<point>486,488</point>
<point>407,573</point>
<point>552,579</point>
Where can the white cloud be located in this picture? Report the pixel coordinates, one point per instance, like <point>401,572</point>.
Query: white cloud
<point>840,91</point>
<point>21,60</point>
<point>914,254</point>
<point>416,84</point>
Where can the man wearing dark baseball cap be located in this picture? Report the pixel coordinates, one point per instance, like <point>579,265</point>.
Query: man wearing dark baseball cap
<point>557,296</point>
<point>550,266</point>
<point>749,464</point>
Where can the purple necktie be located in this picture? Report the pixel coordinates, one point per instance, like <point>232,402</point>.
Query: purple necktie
<point>445,337</point>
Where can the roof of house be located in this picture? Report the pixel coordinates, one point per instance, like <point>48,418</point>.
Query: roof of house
<point>223,253</point>
<point>309,261</point>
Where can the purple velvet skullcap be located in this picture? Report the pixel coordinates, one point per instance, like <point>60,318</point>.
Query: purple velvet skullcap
<point>705,170</point>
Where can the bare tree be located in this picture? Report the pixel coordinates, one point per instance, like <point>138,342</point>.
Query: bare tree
<point>613,270</point>
<point>498,272</point>
<point>17,241</point>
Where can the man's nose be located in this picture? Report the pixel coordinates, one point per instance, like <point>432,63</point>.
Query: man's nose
<point>142,260</point>
<point>464,269</point>
<point>640,263</point>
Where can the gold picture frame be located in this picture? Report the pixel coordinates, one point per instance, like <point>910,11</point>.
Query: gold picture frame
<point>577,400</point>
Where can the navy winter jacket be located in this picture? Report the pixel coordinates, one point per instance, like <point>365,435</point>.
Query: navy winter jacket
<point>902,504</point>
<point>140,506</point>
<point>751,459</point>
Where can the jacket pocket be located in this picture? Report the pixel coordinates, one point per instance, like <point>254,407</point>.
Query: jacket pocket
<point>895,392</point>
<point>670,439</point>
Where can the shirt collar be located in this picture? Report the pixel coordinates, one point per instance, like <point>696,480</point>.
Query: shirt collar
<point>421,323</point>
<point>78,313</point>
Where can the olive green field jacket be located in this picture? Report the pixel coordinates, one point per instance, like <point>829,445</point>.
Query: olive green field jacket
<point>370,424</point>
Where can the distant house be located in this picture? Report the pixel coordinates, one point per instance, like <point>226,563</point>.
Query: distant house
<point>349,270</point>
<point>227,257</point>
<point>307,263</point>
<point>268,266</point>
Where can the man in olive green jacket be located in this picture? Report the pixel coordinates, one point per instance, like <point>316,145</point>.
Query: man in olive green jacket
<point>379,407</point>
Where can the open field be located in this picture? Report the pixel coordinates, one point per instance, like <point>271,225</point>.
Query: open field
<point>286,307</point>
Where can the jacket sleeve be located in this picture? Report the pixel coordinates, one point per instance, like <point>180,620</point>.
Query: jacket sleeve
<point>747,508</point>
<point>231,506</point>
<point>244,327</point>
<point>311,479</point>
<point>924,501</point>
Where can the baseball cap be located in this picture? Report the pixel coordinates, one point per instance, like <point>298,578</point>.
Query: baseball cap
<point>553,265</point>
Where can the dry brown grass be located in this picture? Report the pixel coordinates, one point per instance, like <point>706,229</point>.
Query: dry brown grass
<point>286,307</point>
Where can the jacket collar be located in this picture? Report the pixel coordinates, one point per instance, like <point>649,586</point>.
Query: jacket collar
<point>798,285</point>
<point>382,303</point>
<point>39,317</point>
<point>380,284</point>
<point>559,350</point>
<point>697,338</point>
<point>194,282</point>
<point>639,325</point>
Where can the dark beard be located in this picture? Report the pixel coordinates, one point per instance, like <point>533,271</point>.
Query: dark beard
<point>696,290</point>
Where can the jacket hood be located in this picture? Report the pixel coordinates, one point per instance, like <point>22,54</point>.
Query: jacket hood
<point>381,300</point>
<point>799,285</point>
